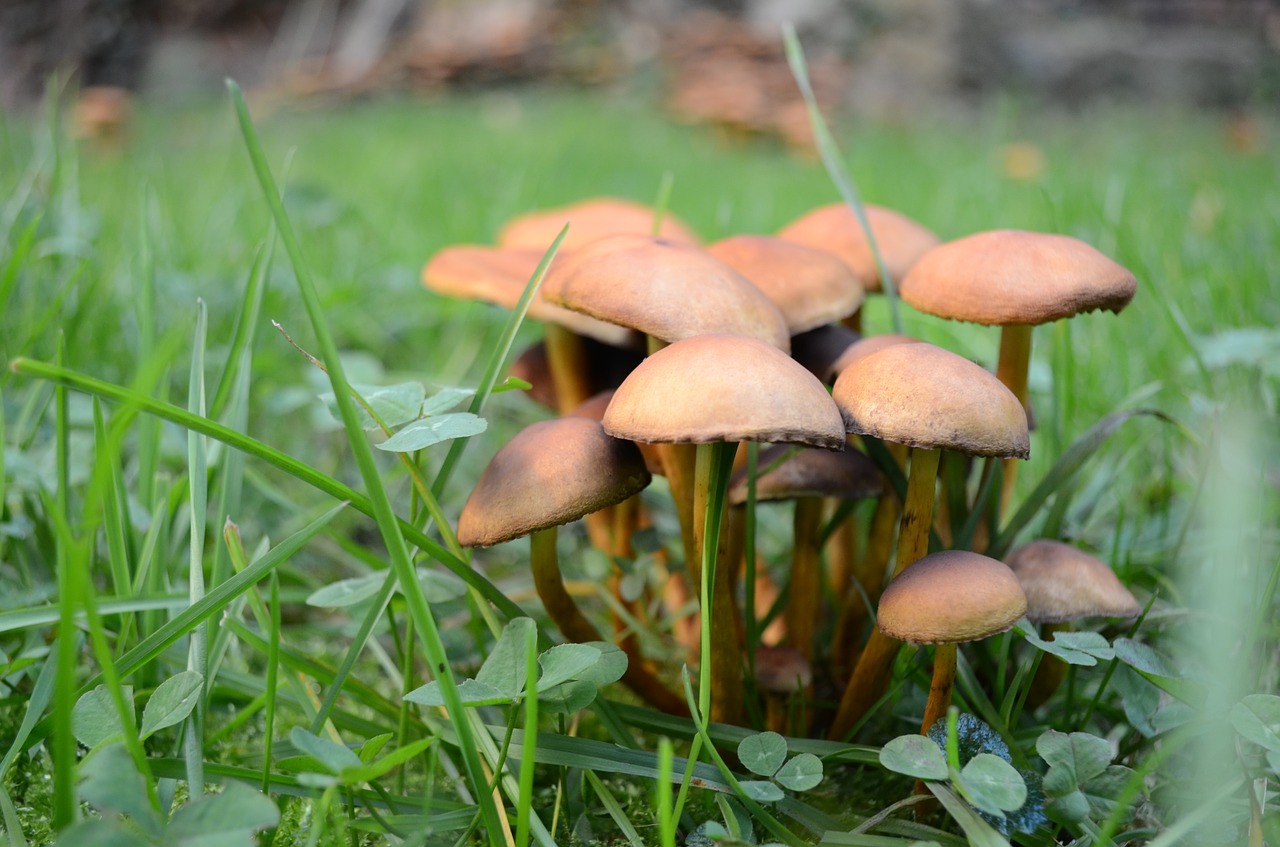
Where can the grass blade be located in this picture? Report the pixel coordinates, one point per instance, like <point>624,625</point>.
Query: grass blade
<point>834,164</point>
<point>198,501</point>
<point>388,525</point>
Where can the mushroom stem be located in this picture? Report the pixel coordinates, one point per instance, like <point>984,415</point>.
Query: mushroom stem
<point>566,615</point>
<point>1012,369</point>
<point>944,678</point>
<point>806,576</point>
<point>720,680</point>
<point>566,357</point>
<point>869,676</point>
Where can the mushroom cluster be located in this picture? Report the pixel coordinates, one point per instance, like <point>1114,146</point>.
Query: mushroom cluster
<point>665,357</point>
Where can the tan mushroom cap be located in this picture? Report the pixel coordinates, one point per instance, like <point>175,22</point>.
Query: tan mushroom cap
<point>589,220</point>
<point>951,596</point>
<point>724,388</point>
<point>1063,583</point>
<point>476,272</point>
<point>848,475</point>
<point>865,347</point>
<point>834,228</point>
<point>810,287</point>
<point>664,289</point>
<point>924,396</point>
<point>551,473</point>
<point>782,670</point>
<point>1015,277</point>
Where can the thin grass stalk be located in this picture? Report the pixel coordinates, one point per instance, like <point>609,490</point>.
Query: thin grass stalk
<point>752,626</point>
<point>64,742</point>
<point>528,748</point>
<point>768,821</point>
<point>662,788</point>
<point>198,493</point>
<point>834,163</point>
<point>148,444</point>
<point>388,524</point>
<point>273,674</point>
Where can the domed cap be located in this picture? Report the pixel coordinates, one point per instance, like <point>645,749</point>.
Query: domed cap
<point>1014,277</point>
<point>723,388</point>
<point>848,475</point>
<point>667,290</point>
<point>551,473</point>
<point>865,347</point>
<point>590,220</point>
<point>1063,583</point>
<point>951,596</point>
<point>810,287</point>
<point>475,272</point>
<point>834,228</point>
<point>782,670</point>
<point>924,396</point>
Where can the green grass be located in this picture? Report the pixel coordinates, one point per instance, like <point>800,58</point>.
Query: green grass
<point>104,253</point>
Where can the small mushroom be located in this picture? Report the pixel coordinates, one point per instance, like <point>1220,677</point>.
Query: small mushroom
<point>552,473</point>
<point>946,598</point>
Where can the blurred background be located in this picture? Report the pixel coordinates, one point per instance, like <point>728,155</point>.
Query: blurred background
<point>713,61</point>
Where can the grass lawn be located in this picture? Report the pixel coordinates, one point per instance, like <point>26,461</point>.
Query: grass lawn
<point>105,253</point>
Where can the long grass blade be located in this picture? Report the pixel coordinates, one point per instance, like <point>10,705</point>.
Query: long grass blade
<point>834,163</point>
<point>388,525</point>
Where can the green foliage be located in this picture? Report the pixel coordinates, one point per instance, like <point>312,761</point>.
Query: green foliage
<point>114,788</point>
<point>569,679</point>
<point>1081,781</point>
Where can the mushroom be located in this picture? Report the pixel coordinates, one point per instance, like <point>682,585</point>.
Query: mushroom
<point>474,272</point>
<point>900,240</point>
<point>946,598</point>
<point>782,674</point>
<point>668,291</point>
<point>810,287</point>
<point>931,400</point>
<point>1064,584</point>
<point>554,472</point>
<point>1016,280</point>
<point>590,220</point>
<point>714,391</point>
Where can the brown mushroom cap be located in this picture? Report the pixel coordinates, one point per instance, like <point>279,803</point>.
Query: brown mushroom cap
<point>810,287</point>
<point>476,272</point>
<point>848,475</point>
<point>664,289</point>
<point>834,228</point>
<point>723,388</point>
<point>924,396</point>
<point>589,220</point>
<point>865,347</point>
<point>951,596</point>
<point>551,473</point>
<point>782,670</point>
<point>1015,277</point>
<point>1063,583</point>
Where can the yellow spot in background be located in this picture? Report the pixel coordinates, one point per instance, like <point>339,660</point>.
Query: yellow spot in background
<point>1022,160</point>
